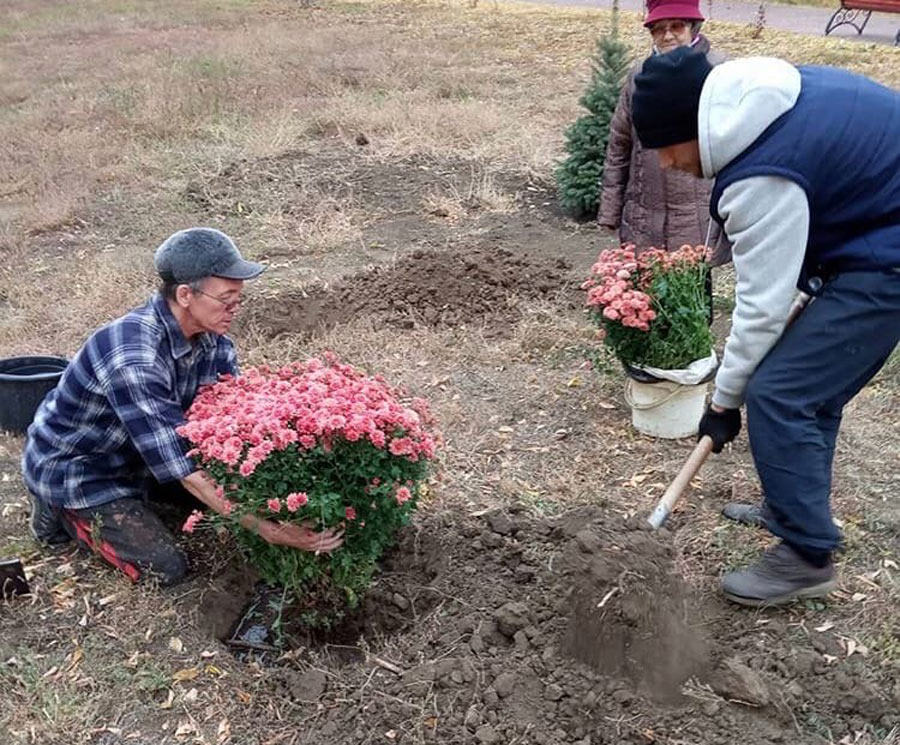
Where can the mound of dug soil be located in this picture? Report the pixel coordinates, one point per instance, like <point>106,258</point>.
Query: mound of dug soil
<point>505,629</point>
<point>481,287</point>
<point>630,611</point>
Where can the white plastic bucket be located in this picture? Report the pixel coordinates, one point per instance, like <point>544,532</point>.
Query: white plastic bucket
<point>665,409</point>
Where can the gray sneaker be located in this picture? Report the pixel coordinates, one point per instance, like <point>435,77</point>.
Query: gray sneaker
<point>780,576</point>
<point>44,523</point>
<point>747,514</point>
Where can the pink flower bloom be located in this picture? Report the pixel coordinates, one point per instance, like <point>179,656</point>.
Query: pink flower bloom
<point>350,513</point>
<point>274,505</point>
<point>403,494</point>
<point>240,422</point>
<point>296,500</point>
<point>195,517</point>
<point>227,507</point>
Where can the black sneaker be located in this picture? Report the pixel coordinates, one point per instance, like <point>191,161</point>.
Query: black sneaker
<point>780,576</point>
<point>45,525</point>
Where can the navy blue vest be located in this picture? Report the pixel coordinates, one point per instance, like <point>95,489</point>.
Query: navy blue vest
<point>841,143</point>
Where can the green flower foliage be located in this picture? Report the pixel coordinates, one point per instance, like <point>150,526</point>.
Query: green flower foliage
<point>679,335</point>
<point>354,476</point>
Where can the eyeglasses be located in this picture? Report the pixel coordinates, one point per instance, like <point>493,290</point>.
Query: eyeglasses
<point>230,305</point>
<point>659,29</point>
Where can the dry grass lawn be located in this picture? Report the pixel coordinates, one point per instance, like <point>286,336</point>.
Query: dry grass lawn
<point>122,121</point>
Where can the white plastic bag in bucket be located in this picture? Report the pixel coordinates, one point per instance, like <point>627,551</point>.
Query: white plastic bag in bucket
<point>671,406</point>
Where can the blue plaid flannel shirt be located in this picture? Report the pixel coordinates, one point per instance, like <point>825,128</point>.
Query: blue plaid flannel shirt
<point>109,426</point>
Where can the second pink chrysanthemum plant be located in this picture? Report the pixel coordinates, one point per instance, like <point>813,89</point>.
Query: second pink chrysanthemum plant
<point>652,306</point>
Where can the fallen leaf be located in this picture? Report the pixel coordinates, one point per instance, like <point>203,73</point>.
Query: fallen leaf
<point>223,732</point>
<point>606,405</point>
<point>858,597</point>
<point>851,646</point>
<point>244,697</point>
<point>213,670</point>
<point>890,564</point>
<point>829,658</point>
<point>206,654</point>
<point>191,696</point>
<point>827,626</point>
<point>77,657</point>
<point>189,673</point>
<point>391,734</point>
<point>176,645</point>
<point>185,728</point>
<point>167,704</point>
<point>574,382</point>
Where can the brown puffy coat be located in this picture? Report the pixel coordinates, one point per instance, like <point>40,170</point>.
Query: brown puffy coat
<point>649,206</point>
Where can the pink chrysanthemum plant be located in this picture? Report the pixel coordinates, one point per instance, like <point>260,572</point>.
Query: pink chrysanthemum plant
<point>320,443</point>
<point>652,307</point>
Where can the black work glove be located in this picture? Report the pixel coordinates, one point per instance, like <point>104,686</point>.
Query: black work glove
<point>722,427</point>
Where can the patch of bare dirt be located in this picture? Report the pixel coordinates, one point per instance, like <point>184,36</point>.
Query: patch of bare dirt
<point>506,628</point>
<point>435,289</point>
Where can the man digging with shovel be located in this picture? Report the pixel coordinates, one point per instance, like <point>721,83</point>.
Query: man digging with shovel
<point>806,162</point>
<point>104,439</point>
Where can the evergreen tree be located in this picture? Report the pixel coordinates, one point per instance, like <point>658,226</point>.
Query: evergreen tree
<point>578,177</point>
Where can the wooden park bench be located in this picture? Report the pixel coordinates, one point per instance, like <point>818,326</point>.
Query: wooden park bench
<point>856,13</point>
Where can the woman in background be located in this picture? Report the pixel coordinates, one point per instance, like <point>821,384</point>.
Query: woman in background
<point>647,206</point>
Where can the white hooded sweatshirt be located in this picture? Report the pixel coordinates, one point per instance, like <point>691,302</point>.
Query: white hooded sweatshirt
<point>766,217</point>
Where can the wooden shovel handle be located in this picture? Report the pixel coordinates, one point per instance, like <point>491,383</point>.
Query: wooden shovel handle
<point>699,454</point>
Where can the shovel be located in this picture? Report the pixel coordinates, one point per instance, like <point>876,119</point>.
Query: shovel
<point>702,450</point>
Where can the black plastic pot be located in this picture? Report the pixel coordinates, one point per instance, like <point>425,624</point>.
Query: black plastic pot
<point>24,381</point>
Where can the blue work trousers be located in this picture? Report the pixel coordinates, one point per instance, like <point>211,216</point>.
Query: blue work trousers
<point>796,396</point>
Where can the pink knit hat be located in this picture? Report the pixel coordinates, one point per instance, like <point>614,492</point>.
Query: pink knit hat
<point>658,10</point>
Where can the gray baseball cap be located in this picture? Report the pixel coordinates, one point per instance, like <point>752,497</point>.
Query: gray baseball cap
<point>196,253</point>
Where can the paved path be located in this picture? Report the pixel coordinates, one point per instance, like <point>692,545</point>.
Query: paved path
<point>802,19</point>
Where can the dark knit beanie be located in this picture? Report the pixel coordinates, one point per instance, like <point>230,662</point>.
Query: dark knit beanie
<point>667,97</point>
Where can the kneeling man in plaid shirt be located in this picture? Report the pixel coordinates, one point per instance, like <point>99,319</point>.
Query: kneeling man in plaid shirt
<point>104,440</point>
